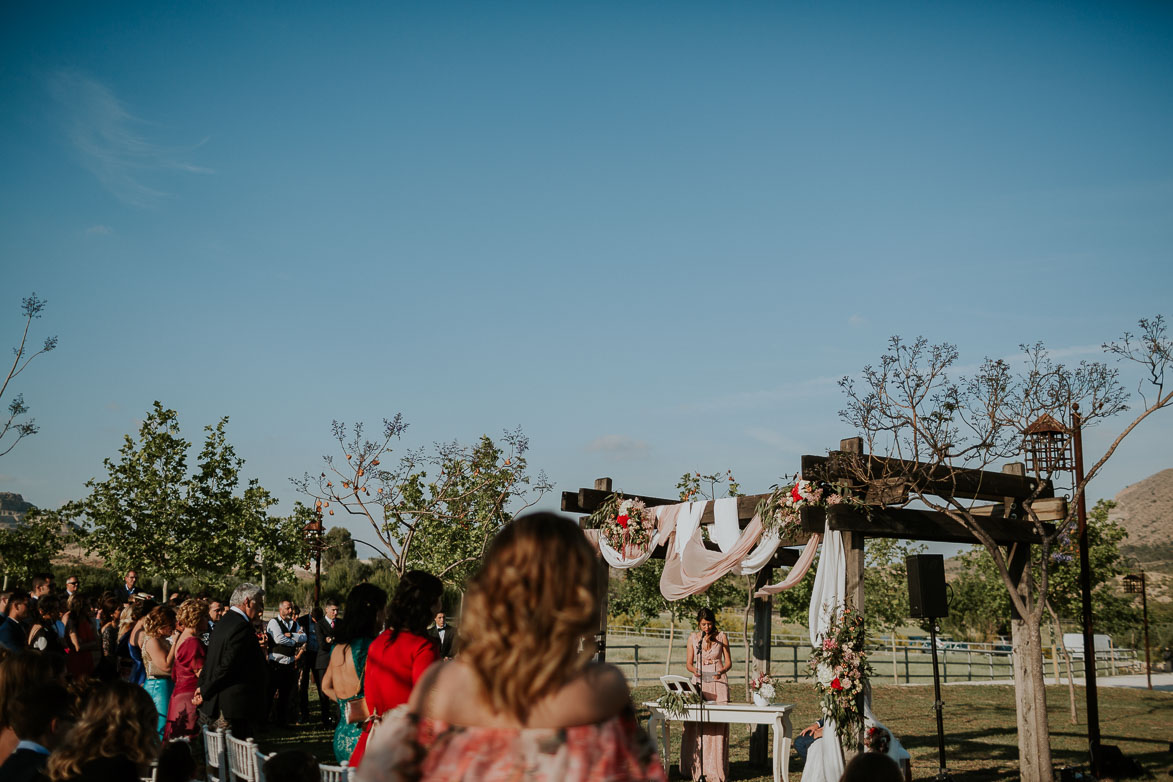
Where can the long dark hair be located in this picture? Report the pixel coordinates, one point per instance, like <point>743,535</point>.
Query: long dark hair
<point>707,613</point>
<point>361,616</point>
<point>411,606</point>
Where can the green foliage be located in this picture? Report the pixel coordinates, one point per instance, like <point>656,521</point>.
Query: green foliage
<point>433,510</point>
<point>28,548</point>
<point>150,514</point>
<point>981,605</point>
<point>31,308</point>
<point>886,592</point>
<point>339,546</point>
<point>675,703</point>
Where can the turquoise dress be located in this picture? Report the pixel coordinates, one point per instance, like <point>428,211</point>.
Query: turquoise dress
<point>159,687</point>
<point>346,735</point>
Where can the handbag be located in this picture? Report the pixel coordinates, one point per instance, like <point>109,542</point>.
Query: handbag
<point>357,710</point>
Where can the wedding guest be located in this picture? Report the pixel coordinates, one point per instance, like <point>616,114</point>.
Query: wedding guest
<point>158,658</point>
<point>292,765</point>
<point>400,655</point>
<point>285,640</point>
<point>42,586</point>
<point>232,682</point>
<point>178,764</point>
<point>13,633</point>
<point>129,588</point>
<point>215,611</point>
<point>42,634</point>
<point>307,671</point>
<point>443,634</point>
<point>136,639</point>
<point>40,717</point>
<point>115,738</point>
<point>871,767</point>
<point>344,680</point>
<point>325,636</point>
<point>182,715</point>
<point>72,584</point>
<point>523,698</point>
<point>85,646</point>
<point>108,616</point>
<point>709,660</point>
<point>19,672</point>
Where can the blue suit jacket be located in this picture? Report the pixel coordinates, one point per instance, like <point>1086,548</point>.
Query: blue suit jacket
<point>13,636</point>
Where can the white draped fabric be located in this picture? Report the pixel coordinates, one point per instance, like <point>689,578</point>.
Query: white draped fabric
<point>725,531</point>
<point>688,521</point>
<point>824,761</point>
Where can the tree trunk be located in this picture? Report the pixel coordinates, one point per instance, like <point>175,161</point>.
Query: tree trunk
<point>1034,745</point>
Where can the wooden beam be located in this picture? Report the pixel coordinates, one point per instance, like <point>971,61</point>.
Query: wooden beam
<point>939,480</point>
<point>1050,509</point>
<point>912,524</point>
<point>589,500</point>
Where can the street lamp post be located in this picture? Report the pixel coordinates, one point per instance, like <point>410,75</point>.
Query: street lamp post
<point>1085,588</point>
<point>1136,584</point>
<point>313,534</point>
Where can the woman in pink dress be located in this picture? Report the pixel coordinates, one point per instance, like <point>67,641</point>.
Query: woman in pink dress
<point>708,661</point>
<point>522,700</point>
<point>192,621</point>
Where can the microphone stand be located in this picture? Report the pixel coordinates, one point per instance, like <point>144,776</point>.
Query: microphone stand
<point>701,729</point>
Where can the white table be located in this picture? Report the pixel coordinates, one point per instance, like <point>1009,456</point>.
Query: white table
<point>776,716</point>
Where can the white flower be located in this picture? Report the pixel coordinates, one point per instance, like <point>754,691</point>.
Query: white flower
<point>766,691</point>
<point>624,507</point>
<point>824,674</point>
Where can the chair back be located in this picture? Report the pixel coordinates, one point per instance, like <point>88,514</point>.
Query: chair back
<point>242,758</point>
<point>154,772</point>
<point>343,773</point>
<point>215,756</point>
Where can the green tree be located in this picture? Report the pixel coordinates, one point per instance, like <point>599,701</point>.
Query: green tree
<point>149,514</point>
<point>29,547</point>
<point>339,547</point>
<point>432,509</point>
<point>23,353</point>
<point>886,595</point>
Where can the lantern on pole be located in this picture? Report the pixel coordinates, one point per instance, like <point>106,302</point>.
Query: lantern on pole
<point>1134,584</point>
<point>1047,445</point>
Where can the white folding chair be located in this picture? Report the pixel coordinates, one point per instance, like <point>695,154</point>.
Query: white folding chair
<point>154,772</point>
<point>341,773</point>
<point>261,758</point>
<point>215,756</point>
<point>242,758</point>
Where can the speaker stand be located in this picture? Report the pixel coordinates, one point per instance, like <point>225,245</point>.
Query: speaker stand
<point>938,706</point>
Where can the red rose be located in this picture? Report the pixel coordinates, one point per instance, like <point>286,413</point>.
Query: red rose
<point>795,494</point>
<point>835,685</point>
<point>622,521</point>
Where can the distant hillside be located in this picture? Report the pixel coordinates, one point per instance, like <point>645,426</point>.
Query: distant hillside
<point>1145,510</point>
<point>13,509</point>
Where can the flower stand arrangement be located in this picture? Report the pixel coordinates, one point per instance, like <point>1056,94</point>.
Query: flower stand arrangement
<point>841,674</point>
<point>762,689</point>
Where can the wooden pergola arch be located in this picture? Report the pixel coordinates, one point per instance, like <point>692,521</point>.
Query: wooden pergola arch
<point>1004,520</point>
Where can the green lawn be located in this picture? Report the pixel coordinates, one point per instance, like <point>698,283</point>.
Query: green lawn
<point>980,736</point>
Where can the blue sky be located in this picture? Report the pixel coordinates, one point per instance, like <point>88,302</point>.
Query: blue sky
<point>650,234</point>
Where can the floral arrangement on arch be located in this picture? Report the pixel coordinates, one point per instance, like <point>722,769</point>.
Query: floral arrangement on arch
<point>779,511</point>
<point>841,672</point>
<point>626,523</point>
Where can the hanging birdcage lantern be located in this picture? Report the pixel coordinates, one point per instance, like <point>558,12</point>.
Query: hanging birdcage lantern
<point>1046,444</point>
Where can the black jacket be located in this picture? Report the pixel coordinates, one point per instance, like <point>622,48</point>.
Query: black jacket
<point>233,679</point>
<point>325,643</point>
<point>448,645</point>
<point>24,765</point>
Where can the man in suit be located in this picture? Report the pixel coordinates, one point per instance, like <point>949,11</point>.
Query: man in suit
<point>13,633</point>
<point>39,716</point>
<point>443,634</point>
<point>42,585</point>
<point>285,640</point>
<point>129,588</point>
<point>232,682</point>
<point>326,632</point>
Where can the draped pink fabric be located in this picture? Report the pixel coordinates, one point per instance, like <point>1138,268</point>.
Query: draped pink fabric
<point>797,572</point>
<point>698,568</point>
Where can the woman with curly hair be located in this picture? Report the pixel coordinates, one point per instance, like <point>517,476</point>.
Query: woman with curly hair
<point>192,621</point>
<point>365,608</point>
<point>114,739</point>
<point>523,698</point>
<point>158,658</point>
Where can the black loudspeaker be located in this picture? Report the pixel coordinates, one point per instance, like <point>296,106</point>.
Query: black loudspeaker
<point>926,586</point>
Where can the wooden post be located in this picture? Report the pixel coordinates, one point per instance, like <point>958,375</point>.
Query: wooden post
<point>602,582</point>
<point>760,747</point>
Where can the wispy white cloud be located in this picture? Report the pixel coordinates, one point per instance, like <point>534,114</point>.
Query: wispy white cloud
<point>99,230</point>
<point>773,438</point>
<point>618,447</point>
<point>766,397</point>
<point>857,320</point>
<point>109,145</point>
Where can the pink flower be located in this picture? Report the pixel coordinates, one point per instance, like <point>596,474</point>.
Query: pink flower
<point>829,644</point>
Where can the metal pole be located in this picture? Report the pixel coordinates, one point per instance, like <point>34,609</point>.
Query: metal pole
<point>1085,588</point>
<point>1144,601</point>
<point>938,706</point>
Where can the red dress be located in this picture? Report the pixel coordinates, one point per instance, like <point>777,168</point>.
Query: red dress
<point>182,714</point>
<point>393,668</point>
